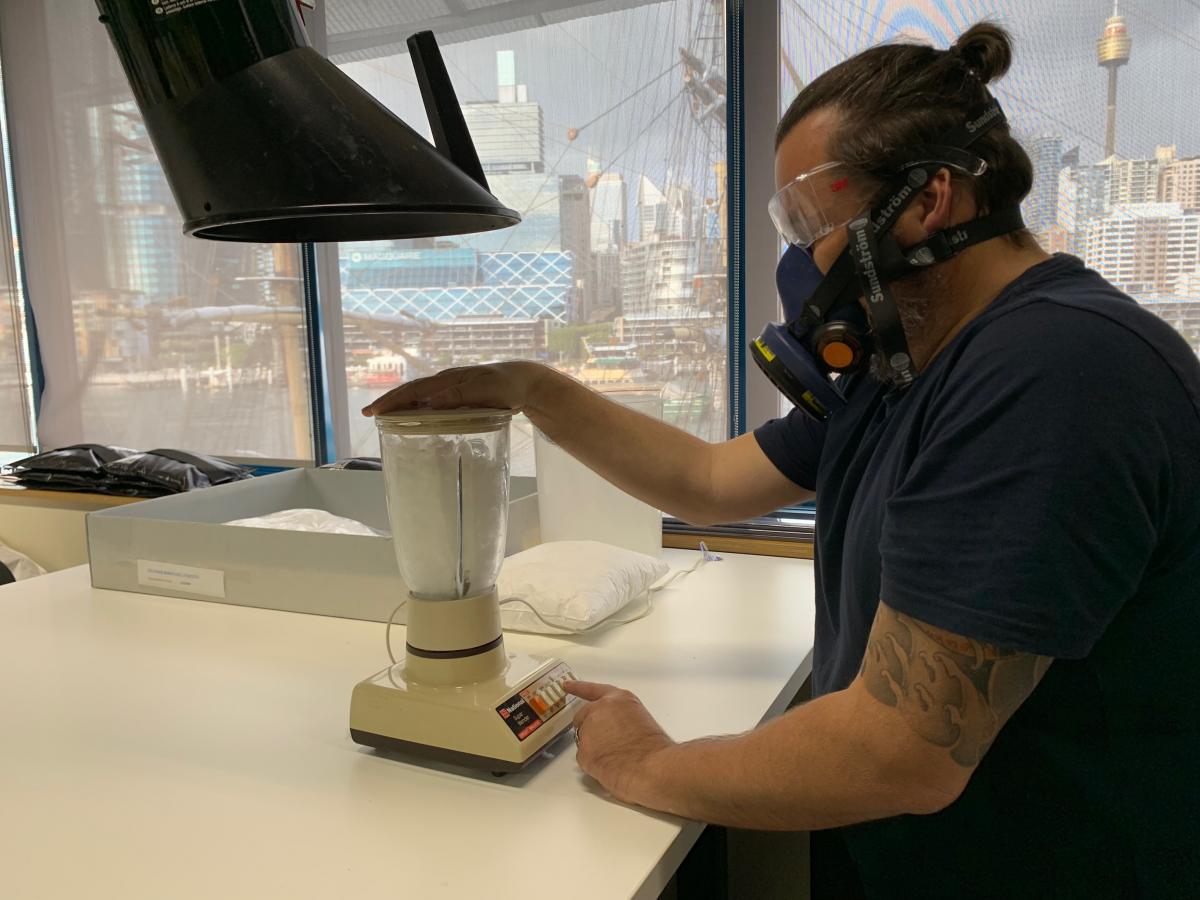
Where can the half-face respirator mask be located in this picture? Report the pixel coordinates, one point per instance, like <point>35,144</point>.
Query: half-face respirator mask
<point>828,331</point>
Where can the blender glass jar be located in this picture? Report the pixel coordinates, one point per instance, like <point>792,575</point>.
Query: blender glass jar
<point>446,474</point>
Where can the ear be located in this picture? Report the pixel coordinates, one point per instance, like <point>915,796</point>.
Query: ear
<point>932,210</point>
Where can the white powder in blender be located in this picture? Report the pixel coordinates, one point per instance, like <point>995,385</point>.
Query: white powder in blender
<point>447,500</point>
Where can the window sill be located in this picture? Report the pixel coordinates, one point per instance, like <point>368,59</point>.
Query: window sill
<point>788,533</point>
<point>18,495</point>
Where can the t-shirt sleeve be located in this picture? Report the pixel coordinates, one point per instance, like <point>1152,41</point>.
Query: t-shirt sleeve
<point>793,443</point>
<point>1031,509</point>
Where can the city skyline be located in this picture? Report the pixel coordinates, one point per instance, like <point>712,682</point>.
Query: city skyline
<point>605,262</point>
<point>1055,81</point>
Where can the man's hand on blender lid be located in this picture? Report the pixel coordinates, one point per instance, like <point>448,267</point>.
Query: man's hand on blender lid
<point>506,385</point>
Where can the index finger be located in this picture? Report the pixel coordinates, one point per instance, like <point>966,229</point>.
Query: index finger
<point>589,690</point>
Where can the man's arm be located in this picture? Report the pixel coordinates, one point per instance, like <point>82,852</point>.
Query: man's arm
<point>699,482</point>
<point>953,692</point>
<point>903,738</point>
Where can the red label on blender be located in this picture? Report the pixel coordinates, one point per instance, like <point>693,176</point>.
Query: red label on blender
<point>537,703</point>
<point>519,717</point>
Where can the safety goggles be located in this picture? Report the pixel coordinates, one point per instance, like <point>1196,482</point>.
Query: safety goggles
<point>801,209</point>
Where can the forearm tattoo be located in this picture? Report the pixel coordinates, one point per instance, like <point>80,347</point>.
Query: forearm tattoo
<point>955,692</point>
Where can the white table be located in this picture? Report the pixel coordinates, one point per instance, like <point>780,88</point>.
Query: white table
<point>155,748</point>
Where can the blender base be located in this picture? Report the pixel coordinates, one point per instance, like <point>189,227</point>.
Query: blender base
<point>499,725</point>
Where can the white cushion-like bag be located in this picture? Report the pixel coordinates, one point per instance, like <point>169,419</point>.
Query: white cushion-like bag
<point>567,587</point>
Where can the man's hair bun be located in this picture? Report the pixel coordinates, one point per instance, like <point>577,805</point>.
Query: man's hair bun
<point>986,48</point>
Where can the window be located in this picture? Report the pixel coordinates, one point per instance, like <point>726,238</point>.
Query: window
<point>603,124</point>
<point>148,339</point>
<point>1130,210</point>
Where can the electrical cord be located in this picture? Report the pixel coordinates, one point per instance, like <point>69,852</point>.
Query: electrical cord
<point>388,634</point>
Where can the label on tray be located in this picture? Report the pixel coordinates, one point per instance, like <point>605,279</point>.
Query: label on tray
<point>194,580</point>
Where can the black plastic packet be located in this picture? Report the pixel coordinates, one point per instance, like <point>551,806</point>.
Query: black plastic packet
<point>79,467</point>
<point>172,471</point>
<point>96,468</point>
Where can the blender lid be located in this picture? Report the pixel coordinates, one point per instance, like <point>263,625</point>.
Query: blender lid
<point>444,421</point>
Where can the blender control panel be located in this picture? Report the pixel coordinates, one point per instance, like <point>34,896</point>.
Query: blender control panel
<point>536,703</point>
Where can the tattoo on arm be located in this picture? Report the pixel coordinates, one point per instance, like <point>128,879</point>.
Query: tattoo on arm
<point>954,691</point>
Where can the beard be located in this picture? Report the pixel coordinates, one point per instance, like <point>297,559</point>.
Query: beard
<point>916,296</point>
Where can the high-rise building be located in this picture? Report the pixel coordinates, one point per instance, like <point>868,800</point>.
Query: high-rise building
<point>445,284</point>
<point>145,226</point>
<point>1057,239</point>
<point>653,211</point>
<point>1093,194</point>
<point>1145,249</point>
<point>509,137</point>
<point>681,211</point>
<point>476,339</point>
<point>536,197</point>
<point>1138,180</point>
<point>1181,183</point>
<point>1040,208</point>
<point>610,208</point>
<point>658,278</point>
<point>669,215</point>
<point>1082,196</point>
<point>574,205</point>
<point>606,298</point>
<point>509,133</point>
<point>576,227</point>
<point>1188,287</point>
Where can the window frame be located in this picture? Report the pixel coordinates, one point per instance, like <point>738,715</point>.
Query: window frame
<point>28,374</point>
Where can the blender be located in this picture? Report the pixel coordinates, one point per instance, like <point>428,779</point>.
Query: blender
<point>456,696</point>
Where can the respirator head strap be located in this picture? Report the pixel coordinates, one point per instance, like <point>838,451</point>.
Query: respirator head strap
<point>949,242</point>
<point>981,120</point>
<point>905,186</point>
<point>831,291</point>
<point>882,311</point>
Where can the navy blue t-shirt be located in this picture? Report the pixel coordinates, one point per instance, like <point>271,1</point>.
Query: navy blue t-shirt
<point>1037,488</point>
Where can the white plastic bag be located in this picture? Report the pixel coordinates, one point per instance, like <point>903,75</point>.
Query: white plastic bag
<point>16,566</point>
<point>318,520</point>
<point>565,587</point>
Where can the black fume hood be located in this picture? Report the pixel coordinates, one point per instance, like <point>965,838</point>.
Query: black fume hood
<point>263,139</point>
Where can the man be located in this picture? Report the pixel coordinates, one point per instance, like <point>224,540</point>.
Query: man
<point>1008,547</point>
